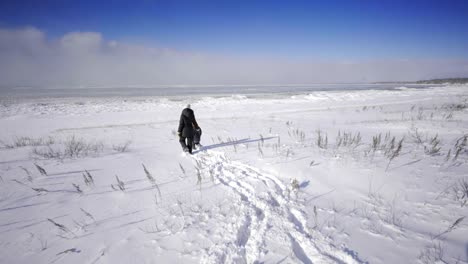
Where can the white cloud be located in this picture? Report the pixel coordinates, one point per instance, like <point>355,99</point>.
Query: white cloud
<point>29,57</point>
<point>81,42</point>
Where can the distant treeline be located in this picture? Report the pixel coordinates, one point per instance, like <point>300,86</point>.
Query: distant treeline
<point>446,80</point>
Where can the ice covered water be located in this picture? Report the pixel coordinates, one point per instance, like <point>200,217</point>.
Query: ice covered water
<point>189,90</point>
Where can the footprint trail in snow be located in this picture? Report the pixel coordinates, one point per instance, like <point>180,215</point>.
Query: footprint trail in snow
<point>271,226</point>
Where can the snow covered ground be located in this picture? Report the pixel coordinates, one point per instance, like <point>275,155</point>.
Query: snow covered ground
<point>369,176</point>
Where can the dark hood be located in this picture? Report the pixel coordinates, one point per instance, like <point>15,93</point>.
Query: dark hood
<point>187,112</point>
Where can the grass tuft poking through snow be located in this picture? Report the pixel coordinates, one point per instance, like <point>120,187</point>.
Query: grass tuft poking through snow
<point>152,181</point>
<point>62,227</point>
<point>41,170</point>
<point>393,150</point>
<point>120,184</point>
<point>19,142</point>
<point>88,179</point>
<point>322,139</point>
<point>123,147</point>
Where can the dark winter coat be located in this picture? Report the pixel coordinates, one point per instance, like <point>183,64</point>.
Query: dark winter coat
<point>187,123</point>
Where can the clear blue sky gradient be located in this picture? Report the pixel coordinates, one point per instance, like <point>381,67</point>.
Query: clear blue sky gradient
<point>349,29</point>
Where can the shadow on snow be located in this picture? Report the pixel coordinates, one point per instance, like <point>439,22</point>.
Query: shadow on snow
<point>231,143</point>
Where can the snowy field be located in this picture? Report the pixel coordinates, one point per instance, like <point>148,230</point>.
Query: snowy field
<point>367,176</point>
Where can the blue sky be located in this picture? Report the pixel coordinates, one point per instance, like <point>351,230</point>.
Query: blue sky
<point>345,30</point>
<point>107,43</point>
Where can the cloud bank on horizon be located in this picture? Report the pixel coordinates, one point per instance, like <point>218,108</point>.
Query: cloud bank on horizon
<point>28,56</point>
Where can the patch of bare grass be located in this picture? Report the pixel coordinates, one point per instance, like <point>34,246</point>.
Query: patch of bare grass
<point>72,147</point>
<point>19,142</point>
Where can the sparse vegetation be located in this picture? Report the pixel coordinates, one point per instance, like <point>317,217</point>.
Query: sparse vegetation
<point>460,191</point>
<point>122,147</point>
<point>62,227</point>
<point>78,147</point>
<point>120,184</point>
<point>19,142</point>
<point>393,150</point>
<point>434,146</point>
<point>77,188</point>
<point>455,106</point>
<point>149,176</point>
<point>88,179</point>
<point>88,214</point>
<point>28,174</point>
<point>152,180</point>
<point>182,168</point>
<point>322,139</point>
<point>297,135</point>
<point>393,215</point>
<point>449,155</point>
<point>40,190</point>
<point>43,243</point>
<point>199,178</point>
<point>260,150</point>
<point>72,147</point>
<point>48,153</point>
<point>460,146</point>
<point>420,114</point>
<point>416,136</point>
<point>234,142</point>
<point>41,170</point>
<point>451,227</point>
<point>376,142</point>
<point>316,224</point>
<point>348,139</point>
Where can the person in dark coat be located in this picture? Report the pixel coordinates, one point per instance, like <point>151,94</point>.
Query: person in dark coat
<point>187,127</point>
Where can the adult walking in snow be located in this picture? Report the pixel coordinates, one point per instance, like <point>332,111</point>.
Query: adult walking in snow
<point>187,129</point>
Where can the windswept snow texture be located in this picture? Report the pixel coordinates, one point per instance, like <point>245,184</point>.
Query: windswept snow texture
<point>352,176</point>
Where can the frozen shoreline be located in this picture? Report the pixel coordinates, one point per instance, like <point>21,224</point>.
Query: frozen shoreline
<point>174,92</point>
